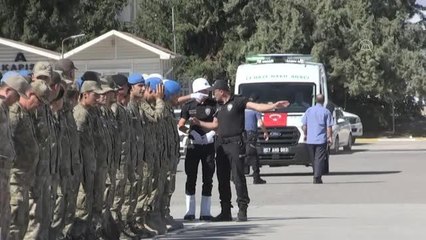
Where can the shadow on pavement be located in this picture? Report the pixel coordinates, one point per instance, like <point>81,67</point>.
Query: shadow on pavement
<point>230,231</point>
<point>330,174</point>
<point>326,182</point>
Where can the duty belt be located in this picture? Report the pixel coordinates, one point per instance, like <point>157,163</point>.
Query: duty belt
<point>225,140</point>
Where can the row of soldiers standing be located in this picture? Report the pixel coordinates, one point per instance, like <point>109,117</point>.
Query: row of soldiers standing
<point>89,159</point>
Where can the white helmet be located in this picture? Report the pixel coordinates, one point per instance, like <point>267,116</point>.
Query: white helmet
<point>200,84</point>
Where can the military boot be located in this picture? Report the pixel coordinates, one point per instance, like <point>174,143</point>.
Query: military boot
<point>154,222</point>
<point>225,214</point>
<point>242,213</point>
<point>172,224</point>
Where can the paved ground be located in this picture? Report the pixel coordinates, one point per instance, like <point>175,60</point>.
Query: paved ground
<point>375,192</point>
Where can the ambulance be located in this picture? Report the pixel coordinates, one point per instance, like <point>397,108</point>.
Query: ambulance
<point>273,77</point>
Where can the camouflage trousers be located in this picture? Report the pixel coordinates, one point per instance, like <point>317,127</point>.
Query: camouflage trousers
<point>169,187</point>
<point>61,198</point>
<point>119,194</point>
<point>73,187</point>
<point>20,206</point>
<point>84,208</point>
<point>40,208</point>
<point>159,175</point>
<point>99,192</point>
<point>4,199</point>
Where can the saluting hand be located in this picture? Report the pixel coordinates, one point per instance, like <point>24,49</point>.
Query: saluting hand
<point>160,91</point>
<point>282,104</point>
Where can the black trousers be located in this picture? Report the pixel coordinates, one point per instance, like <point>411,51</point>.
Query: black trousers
<point>318,155</point>
<point>194,154</point>
<point>251,153</point>
<point>230,158</point>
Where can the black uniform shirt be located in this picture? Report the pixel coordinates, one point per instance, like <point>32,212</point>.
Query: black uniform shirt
<point>203,111</point>
<point>231,117</point>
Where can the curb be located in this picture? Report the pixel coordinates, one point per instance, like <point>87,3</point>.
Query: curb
<point>374,140</point>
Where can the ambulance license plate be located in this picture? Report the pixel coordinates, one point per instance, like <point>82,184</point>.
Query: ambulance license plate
<point>275,150</point>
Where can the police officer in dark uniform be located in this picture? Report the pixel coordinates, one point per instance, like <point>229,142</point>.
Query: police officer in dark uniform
<point>229,122</point>
<point>201,148</point>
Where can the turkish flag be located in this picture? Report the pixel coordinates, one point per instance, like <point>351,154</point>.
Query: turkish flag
<point>275,119</point>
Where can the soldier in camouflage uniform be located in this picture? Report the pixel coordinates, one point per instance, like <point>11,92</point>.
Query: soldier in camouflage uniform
<point>109,227</point>
<point>137,154</point>
<point>62,178</point>
<point>40,193</point>
<point>123,148</point>
<point>172,92</point>
<point>71,169</point>
<point>85,121</point>
<point>27,157</point>
<point>11,87</point>
<point>152,109</point>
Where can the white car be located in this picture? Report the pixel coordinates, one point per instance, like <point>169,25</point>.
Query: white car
<point>342,135</point>
<point>182,136</point>
<point>356,124</point>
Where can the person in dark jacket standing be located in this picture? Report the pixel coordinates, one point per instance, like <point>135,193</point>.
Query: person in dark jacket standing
<point>230,151</point>
<point>253,120</point>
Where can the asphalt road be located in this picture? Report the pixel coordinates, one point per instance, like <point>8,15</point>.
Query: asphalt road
<point>375,192</point>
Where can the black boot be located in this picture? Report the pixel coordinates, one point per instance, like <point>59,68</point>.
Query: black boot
<point>242,214</point>
<point>317,180</point>
<point>257,179</point>
<point>225,214</point>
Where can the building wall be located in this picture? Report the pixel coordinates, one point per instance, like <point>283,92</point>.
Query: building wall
<point>8,56</point>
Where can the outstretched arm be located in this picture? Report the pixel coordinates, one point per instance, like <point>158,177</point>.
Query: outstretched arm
<point>261,107</point>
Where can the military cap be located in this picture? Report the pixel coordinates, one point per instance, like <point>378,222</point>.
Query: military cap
<point>17,83</point>
<point>42,69</point>
<point>91,86</point>
<point>65,65</point>
<point>41,90</point>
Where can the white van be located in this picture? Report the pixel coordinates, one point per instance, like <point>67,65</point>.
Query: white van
<point>291,77</point>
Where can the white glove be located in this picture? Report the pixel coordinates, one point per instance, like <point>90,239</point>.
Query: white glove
<point>199,96</point>
<point>198,139</point>
<point>209,137</point>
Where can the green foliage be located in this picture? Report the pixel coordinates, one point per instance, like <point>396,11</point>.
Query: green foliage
<point>45,23</point>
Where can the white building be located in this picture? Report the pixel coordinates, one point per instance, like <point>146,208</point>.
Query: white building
<point>17,55</point>
<point>120,52</point>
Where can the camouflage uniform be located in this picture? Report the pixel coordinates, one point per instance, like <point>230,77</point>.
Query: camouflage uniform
<point>103,158</point>
<point>7,157</point>
<point>113,135</point>
<point>63,178</point>
<point>123,148</point>
<point>154,180</point>
<point>76,165</point>
<point>172,158</point>
<point>23,170</point>
<point>136,162</point>
<point>85,122</point>
<point>40,194</point>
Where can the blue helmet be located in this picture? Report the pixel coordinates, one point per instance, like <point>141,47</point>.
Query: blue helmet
<point>171,88</point>
<point>25,73</point>
<point>153,80</point>
<point>9,74</point>
<point>79,82</point>
<point>136,78</point>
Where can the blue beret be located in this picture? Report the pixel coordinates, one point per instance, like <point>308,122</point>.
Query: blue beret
<point>171,88</point>
<point>136,78</point>
<point>153,82</point>
<point>25,73</point>
<point>9,74</point>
